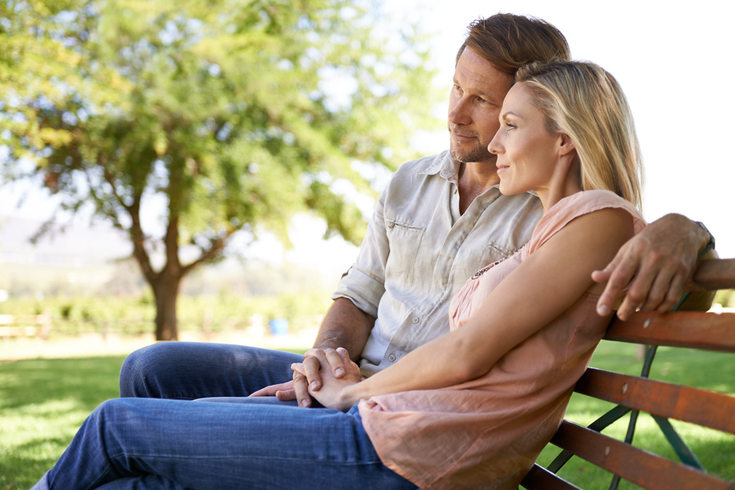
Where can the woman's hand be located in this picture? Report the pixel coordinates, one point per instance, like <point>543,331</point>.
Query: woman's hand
<point>333,393</point>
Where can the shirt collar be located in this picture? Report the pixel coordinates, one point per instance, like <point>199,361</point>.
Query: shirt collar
<point>447,168</point>
<point>444,165</point>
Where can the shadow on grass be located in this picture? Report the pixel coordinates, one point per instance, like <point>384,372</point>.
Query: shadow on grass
<point>42,404</point>
<point>88,381</point>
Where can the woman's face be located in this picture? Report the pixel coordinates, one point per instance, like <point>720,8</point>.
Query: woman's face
<point>527,152</point>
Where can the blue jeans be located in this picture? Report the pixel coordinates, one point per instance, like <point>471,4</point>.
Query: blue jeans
<point>144,443</point>
<point>190,370</point>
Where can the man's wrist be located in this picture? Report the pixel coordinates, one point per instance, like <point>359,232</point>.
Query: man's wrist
<point>327,344</point>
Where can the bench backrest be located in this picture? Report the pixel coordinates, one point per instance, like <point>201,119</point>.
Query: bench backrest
<point>663,401</point>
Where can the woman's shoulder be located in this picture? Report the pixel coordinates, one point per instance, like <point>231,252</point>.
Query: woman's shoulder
<point>589,201</point>
<point>580,204</point>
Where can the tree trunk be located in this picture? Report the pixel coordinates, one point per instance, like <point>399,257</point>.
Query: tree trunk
<point>166,292</point>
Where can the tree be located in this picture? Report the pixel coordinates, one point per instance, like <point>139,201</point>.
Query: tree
<point>239,114</point>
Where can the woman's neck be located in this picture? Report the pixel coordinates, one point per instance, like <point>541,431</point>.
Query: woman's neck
<point>567,180</point>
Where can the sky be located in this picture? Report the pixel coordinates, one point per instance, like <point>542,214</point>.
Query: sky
<point>672,60</point>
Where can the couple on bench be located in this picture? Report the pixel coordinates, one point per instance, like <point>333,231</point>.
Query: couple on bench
<point>487,277</point>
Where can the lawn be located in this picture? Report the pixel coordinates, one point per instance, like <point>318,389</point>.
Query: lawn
<point>43,402</point>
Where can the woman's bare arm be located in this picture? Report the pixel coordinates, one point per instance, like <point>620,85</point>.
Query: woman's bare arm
<point>538,291</point>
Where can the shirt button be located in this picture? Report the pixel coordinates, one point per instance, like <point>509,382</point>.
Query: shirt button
<point>391,224</point>
<point>392,358</point>
<point>415,319</point>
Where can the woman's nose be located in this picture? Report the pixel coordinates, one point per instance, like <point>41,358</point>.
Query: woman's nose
<point>495,147</point>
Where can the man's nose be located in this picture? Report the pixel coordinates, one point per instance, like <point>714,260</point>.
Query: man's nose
<point>459,112</point>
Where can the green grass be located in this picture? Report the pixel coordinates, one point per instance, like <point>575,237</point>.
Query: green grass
<point>43,402</point>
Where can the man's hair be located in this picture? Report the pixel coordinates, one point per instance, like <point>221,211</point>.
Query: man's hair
<point>510,41</point>
<point>585,102</point>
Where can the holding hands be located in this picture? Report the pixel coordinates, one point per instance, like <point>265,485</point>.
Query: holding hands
<point>329,389</point>
<point>319,367</point>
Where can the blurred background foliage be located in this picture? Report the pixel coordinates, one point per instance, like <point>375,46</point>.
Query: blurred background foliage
<point>237,115</point>
<point>199,315</point>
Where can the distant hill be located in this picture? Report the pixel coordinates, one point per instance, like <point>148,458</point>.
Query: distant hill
<point>85,260</point>
<point>77,246</point>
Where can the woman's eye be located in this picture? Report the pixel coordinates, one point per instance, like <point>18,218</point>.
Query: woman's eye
<point>510,125</point>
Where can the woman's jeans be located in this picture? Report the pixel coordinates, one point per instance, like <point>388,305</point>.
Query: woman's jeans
<point>144,443</point>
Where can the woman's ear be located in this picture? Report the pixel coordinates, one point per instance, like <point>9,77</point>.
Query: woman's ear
<point>566,145</point>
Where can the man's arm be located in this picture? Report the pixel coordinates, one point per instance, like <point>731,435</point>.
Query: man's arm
<point>654,266</point>
<point>713,274</point>
<point>345,327</point>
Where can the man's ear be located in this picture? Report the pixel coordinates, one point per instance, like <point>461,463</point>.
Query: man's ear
<point>566,145</point>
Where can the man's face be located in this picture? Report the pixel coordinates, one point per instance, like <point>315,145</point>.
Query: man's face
<point>474,106</point>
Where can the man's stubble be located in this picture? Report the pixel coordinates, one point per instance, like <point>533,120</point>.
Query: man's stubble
<point>478,153</point>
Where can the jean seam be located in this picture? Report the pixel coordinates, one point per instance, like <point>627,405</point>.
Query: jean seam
<point>124,455</point>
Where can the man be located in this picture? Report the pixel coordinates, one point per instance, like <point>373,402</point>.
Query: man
<point>440,219</point>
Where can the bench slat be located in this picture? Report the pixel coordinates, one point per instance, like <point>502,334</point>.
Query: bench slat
<point>635,465</point>
<point>713,274</point>
<point>539,478</point>
<point>693,405</point>
<point>692,330</point>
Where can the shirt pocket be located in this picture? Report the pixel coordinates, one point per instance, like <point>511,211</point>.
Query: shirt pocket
<point>405,241</point>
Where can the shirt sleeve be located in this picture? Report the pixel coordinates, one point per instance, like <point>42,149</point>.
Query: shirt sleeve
<point>364,283</point>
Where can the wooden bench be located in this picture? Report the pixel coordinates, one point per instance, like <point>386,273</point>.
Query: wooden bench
<point>663,401</point>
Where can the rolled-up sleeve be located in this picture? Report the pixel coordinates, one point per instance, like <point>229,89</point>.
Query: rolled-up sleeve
<point>364,283</point>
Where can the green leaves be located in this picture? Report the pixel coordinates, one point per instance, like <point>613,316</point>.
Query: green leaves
<point>239,113</point>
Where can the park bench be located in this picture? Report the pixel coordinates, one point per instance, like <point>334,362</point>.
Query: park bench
<point>663,401</point>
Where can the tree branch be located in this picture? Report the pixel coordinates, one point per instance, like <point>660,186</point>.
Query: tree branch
<point>207,255</point>
<point>138,240</point>
<point>113,216</point>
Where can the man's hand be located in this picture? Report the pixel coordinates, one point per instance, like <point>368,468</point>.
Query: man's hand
<point>654,266</point>
<point>331,393</point>
<point>309,376</point>
<point>282,391</point>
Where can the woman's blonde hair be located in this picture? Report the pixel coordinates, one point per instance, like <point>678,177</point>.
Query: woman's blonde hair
<point>586,103</point>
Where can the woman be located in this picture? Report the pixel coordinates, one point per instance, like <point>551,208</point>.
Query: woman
<point>471,409</point>
<point>565,127</point>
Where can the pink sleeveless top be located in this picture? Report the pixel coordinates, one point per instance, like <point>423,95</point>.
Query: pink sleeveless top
<point>487,433</point>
